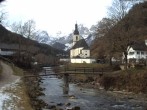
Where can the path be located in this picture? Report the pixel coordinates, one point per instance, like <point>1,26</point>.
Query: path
<point>12,94</point>
<point>6,77</point>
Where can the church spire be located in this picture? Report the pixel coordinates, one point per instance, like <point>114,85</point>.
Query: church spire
<point>76,32</point>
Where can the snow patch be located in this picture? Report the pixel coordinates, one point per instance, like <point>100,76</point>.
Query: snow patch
<point>6,98</point>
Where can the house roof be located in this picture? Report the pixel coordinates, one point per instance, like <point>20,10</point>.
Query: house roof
<point>81,43</point>
<point>139,46</point>
<point>9,46</point>
<point>16,47</point>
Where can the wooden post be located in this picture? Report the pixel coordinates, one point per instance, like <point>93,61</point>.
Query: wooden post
<point>45,71</point>
<point>66,84</point>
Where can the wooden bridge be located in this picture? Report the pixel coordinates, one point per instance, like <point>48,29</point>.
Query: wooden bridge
<point>47,71</point>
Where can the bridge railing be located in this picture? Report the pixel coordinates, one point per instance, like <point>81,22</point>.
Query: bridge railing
<point>84,69</point>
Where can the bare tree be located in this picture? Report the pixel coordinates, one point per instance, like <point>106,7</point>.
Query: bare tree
<point>115,37</point>
<point>3,16</point>
<point>26,29</point>
<point>103,43</point>
<point>116,33</point>
<point>104,26</point>
<point>129,30</point>
<point>29,29</point>
<point>17,27</point>
<point>119,9</point>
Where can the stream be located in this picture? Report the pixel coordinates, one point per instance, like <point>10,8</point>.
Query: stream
<point>90,99</point>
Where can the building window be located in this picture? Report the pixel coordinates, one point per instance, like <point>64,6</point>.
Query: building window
<point>138,52</point>
<point>76,37</point>
<point>131,53</point>
<point>142,53</point>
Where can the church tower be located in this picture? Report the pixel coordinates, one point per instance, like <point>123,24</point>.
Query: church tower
<point>76,36</point>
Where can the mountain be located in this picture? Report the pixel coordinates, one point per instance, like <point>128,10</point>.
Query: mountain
<point>64,42</point>
<point>43,37</point>
<point>58,45</point>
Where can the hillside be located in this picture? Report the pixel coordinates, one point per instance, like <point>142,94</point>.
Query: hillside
<point>43,53</point>
<point>132,28</point>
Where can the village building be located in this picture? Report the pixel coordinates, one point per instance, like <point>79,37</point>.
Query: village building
<point>80,51</point>
<point>137,52</point>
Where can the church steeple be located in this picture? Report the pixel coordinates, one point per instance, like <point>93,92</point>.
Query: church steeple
<point>76,32</point>
<point>76,36</point>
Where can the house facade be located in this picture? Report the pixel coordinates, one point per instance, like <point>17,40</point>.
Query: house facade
<point>80,52</point>
<point>137,51</point>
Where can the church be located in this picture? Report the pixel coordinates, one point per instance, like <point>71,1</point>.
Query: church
<point>80,51</point>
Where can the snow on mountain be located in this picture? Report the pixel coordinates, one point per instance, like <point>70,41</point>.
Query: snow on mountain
<point>43,37</point>
<point>64,42</point>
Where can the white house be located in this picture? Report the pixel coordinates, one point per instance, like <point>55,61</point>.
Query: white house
<point>137,51</point>
<point>80,52</point>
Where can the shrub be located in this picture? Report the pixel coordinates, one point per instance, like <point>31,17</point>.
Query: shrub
<point>131,80</point>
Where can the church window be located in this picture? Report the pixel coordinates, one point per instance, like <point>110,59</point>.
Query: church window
<point>76,37</point>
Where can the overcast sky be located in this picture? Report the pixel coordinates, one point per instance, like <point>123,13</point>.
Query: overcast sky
<point>57,15</point>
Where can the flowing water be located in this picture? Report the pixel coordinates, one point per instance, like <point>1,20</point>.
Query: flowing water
<point>91,99</point>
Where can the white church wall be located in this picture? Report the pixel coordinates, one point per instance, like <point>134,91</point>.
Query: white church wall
<point>71,53</point>
<point>85,53</point>
<point>75,52</point>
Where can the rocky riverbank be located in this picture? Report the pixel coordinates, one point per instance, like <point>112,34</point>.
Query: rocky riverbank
<point>117,81</point>
<point>130,81</point>
<point>34,91</point>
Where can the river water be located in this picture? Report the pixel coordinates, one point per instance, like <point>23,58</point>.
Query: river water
<point>90,99</point>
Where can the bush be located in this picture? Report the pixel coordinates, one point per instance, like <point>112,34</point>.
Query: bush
<point>131,80</point>
<point>139,66</point>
